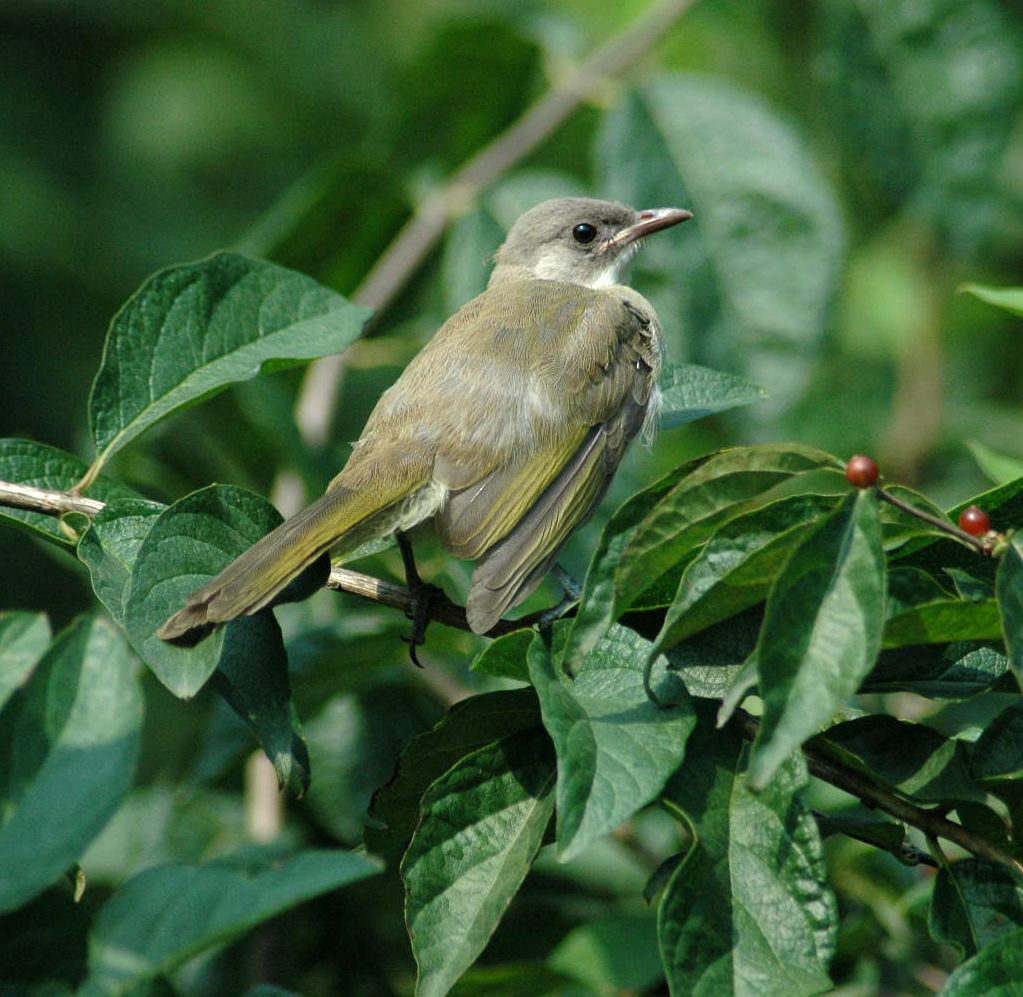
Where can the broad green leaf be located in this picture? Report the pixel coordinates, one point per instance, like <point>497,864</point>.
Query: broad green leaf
<point>505,657</point>
<point>996,971</point>
<point>516,979</point>
<point>822,630</point>
<point>482,824</point>
<point>763,261</point>
<point>738,565</point>
<point>252,676</point>
<point>915,759</point>
<point>999,467</point>
<point>956,671</point>
<point>727,485</point>
<point>26,462</point>
<point>943,621</point>
<point>192,330</point>
<point>1008,298</point>
<point>974,903</point>
<point>169,913</point>
<point>748,912</point>
<point>71,753</point>
<point>612,955</point>
<point>616,747</point>
<point>189,543</point>
<point>998,752</point>
<point>109,546</point>
<point>925,92</point>
<point>24,638</point>
<point>689,393</point>
<point>598,604</point>
<point>468,726</point>
<point>1009,590</point>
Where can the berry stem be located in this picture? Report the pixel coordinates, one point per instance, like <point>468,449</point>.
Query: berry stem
<point>942,524</point>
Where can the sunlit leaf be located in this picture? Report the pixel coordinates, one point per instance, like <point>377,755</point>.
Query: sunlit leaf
<point>616,747</point>
<point>192,330</point>
<point>23,641</point>
<point>822,630</point>
<point>748,911</point>
<point>482,824</point>
<point>74,741</point>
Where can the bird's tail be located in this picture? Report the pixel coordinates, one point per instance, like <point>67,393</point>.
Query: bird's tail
<point>343,519</point>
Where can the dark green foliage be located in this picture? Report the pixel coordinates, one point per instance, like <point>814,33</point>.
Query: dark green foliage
<point>749,624</point>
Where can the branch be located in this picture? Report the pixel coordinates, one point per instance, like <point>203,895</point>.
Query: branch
<point>47,501</point>
<point>315,408</point>
<point>867,790</point>
<point>441,609</point>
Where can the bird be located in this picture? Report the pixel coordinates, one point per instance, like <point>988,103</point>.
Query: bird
<point>505,429</point>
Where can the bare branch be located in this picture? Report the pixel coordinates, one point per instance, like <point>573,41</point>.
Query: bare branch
<point>47,501</point>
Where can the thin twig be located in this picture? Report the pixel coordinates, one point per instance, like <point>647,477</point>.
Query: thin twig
<point>46,500</point>
<point>877,797</point>
<point>942,524</point>
<point>315,408</point>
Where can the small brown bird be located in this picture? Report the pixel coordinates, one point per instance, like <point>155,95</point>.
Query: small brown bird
<point>505,429</point>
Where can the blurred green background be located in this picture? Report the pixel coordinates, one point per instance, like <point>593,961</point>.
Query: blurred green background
<point>850,163</point>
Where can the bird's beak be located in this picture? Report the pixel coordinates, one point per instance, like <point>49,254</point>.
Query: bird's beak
<point>651,220</point>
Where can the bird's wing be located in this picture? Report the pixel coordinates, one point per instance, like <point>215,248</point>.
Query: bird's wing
<point>598,371</point>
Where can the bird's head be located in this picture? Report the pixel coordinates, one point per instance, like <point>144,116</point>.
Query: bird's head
<point>579,240</point>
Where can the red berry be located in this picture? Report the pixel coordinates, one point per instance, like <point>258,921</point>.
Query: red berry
<point>862,472</point>
<point>974,520</point>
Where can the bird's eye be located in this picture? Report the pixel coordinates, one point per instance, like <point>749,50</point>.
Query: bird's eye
<point>584,232</point>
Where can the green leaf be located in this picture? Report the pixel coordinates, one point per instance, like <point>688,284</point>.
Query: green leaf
<point>468,726</point>
<point>943,621</point>
<point>822,630</point>
<point>998,752</point>
<point>109,546</point>
<point>70,750</point>
<point>482,824</point>
<point>737,567</point>
<point>192,330</point>
<point>872,830</point>
<point>1009,299</point>
<point>189,543</point>
<point>913,758</point>
<point>689,393</point>
<point>727,485</point>
<point>748,912</point>
<point>24,637</point>
<point>252,677</point>
<point>616,747</point>
<point>999,467</point>
<point>1009,591</point>
<point>598,607</point>
<point>996,971</point>
<point>956,671</point>
<point>974,903</point>
<point>505,657</point>
<point>168,914</point>
<point>709,662</point>
<point>612,955</point>
<point>26,462</point>
<point>763,270</point>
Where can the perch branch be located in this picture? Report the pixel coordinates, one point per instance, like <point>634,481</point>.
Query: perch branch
<point>442,610</point>
<point>413,243</point>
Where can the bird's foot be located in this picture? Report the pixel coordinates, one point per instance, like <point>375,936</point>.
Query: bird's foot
<point>572,590</point>
<point>421,594</point>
